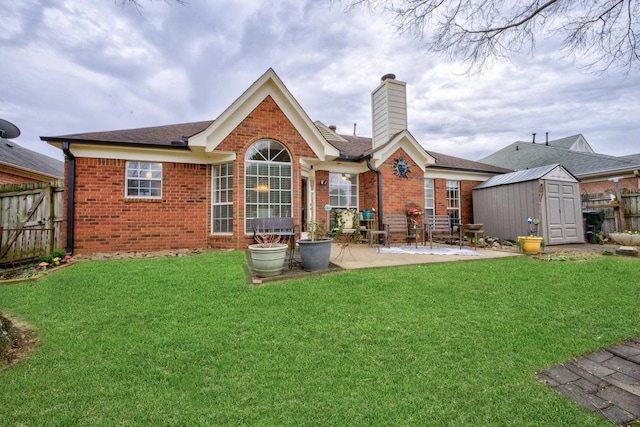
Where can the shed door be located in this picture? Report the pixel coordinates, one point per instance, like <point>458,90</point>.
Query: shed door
<point>564,215</point>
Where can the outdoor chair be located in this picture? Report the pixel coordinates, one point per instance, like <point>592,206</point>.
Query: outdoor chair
<point>398,226</point>
<point>442,226</point>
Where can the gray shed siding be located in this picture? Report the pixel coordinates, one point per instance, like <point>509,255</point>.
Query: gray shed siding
<point>504,209</point>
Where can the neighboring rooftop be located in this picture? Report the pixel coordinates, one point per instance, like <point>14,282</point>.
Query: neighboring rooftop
<point>572,152</point>
<point>14,155</point>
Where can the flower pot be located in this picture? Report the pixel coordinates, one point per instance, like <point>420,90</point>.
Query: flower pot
<point>268,261</point>
<point>315,254</point>
<point>625,239</point>
<point>530,245</point>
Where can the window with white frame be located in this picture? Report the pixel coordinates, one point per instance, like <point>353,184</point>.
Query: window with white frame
<point>343,190</point>
<point>144,179</point>
<point>429,200</point>
<point>268,182</point>
<point>222,198</point>
<point>453,200</point>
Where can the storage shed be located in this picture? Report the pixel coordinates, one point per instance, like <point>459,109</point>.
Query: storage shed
<point>550,193</point>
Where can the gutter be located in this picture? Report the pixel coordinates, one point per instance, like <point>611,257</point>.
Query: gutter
<point>71,190</point>
<point>377,171</point>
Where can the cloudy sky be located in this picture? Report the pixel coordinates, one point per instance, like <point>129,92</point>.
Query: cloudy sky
<point>71,66</point>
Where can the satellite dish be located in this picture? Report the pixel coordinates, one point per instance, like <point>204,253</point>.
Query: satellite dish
<point>8,130</point>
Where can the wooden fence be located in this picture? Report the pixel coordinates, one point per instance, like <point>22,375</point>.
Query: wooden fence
<point>630,206</point>
<point>30,220</point>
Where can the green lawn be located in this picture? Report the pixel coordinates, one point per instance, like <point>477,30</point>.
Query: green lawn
<point>186,341</point>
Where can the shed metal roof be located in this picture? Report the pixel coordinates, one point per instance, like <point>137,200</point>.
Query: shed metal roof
<point>519,176</point>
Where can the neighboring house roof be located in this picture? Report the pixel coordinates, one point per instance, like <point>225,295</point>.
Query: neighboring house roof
<point>574,143</point>
<point>632,157</point>
<point>527,175</point>
<point>20,158</point>
<point>525,155</point>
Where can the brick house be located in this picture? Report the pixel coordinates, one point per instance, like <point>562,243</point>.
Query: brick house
<point>201,184</point>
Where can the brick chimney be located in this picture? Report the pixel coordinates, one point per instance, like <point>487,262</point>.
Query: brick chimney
<point>389,109</point>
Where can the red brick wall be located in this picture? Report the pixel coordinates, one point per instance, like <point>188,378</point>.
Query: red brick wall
<point>398,192</point>
<point>466,201</point>
<point>107,221</point>
<point>368,191</point>
<point>9,178</point>
<point>605,186</point>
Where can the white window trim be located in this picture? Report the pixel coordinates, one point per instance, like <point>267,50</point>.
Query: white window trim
<point>247,228</point>
<point>126,180</point>
<point>457,198</point>
<point>430,202</point>
<point>352,184</point>
<point>229,202</point>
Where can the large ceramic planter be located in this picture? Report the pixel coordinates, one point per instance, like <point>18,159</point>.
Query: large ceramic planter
<point>530,245</point>
<point>315,254</point>
<point>625,239</point>
<point>268,261</point>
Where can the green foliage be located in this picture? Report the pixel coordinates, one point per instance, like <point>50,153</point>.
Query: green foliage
<point>58,253</point>
<point>317,229</point>
<point>186,341</point>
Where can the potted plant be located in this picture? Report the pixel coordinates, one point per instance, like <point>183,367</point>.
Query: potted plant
<point>268,255</point>
<point>531,244</point>
<point>316,250</point>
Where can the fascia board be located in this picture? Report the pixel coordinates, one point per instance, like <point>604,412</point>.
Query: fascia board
<point>456,175</point>
<point>26,172</point>
<point>600,175</point>
<point>150,154</point>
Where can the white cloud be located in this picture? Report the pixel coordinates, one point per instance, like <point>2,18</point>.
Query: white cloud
<point>94,65</point>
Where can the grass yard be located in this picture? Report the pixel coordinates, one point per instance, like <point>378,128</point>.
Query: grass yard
<point>187,341</point>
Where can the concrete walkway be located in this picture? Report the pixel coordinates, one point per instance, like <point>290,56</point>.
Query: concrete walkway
<point>362,256</point>
<point>606,382</point>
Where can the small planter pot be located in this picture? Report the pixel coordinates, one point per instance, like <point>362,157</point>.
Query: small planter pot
<point>625,239</point>
<point>268,261</point>
<point>530,245</point>
<point>315,254</point>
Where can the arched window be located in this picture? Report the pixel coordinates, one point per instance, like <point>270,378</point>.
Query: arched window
<point>268,182</point>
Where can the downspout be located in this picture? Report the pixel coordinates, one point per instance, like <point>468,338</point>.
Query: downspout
<point>71,190</point>
<point>377,171</point>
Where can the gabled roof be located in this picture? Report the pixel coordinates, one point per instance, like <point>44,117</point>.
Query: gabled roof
<point>528,175</point>
<point>207,135</point>
<point>268,85</point>
<point>14,155</point>
<point>573,142</point>
<point>525,155</point>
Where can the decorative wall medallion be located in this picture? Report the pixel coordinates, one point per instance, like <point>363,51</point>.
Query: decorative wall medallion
<point>400,168</point>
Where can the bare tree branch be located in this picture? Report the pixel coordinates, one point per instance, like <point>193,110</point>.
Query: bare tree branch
<point>602,34</point>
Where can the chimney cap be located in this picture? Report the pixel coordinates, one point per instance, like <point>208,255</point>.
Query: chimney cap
<point>388,76</point>
<point>333,127</point>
